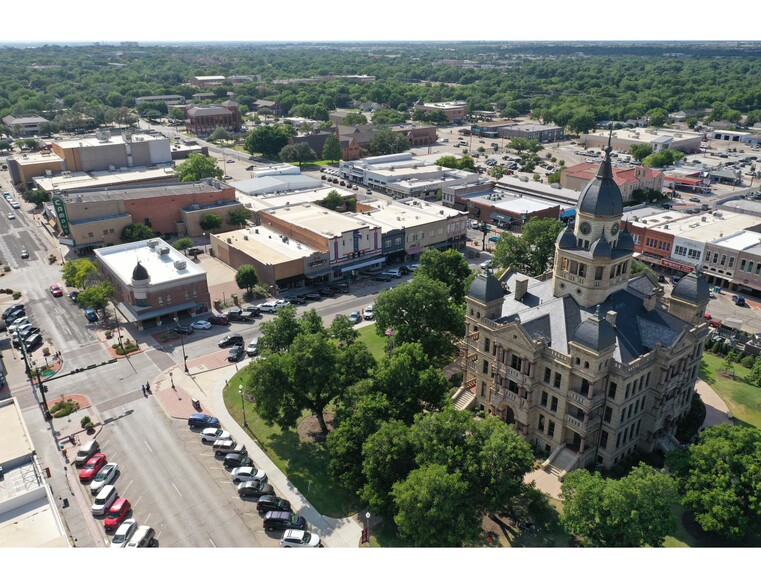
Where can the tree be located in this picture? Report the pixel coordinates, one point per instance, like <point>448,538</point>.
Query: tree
<point>331,150</point>
<point>435,508</point>
<point>97,296</point>
<point>341,329</point>
<point>183,244</point>
<point>386,142</point>
<point>354,118</point>
<point>582,121</point>
<point>36,197</point>
<point>279,333</point>
<point>246,277</point>
<point>662,158</point>
<point>634,511</point>
<point>333,200</point>
<point>197,167</point>
<point>719,480</point>
<point>79,273</point>
<point>177,113</point>
<point>269,140</point>
<point>421,311</point>
<point>449,161</point>
<point>449,267</point>
<point>638,267</point>
<point>210,221</point>
<point>137,232</point>
<point>152,109</point>
<point>533,252</point>
<point>220,134</point>
<point>298,152</point>
<point>640,152</point>
<point>239,216</point>
<point>657,117</point>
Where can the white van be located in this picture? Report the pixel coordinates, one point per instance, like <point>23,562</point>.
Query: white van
<point>104,500</point>
<point>143,537</point>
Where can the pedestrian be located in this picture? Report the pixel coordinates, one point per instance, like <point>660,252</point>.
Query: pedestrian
<point>148,387</point>
<point>144,392</point>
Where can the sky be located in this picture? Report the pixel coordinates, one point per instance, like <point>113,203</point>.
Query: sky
<point>391,20</point>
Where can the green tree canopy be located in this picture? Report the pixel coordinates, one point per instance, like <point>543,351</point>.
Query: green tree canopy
<point>246,277</point>
<point>386,142</point>
<point>79,272</point>
<point>354,118</point>
<point>333,200</point>
<point>449,267</point>
<point>137,232</point>
<point>239,216</point>
<point>210,222</point>
<point>220,134</point>
<point>298,152</point>
<point>183,244</point>
<point>279,333</point>
<point>658,117</point>
<point>269,140</point>
<point>662,158</point>
<point>634,511</point>
<point>421,311</point>
<point>342,330</point>
<point>97,296</point>
<point>197,167</point>
<point>37,196</point>
<point>719,480</point>
<point>534,251</point>
<point>640,152</point>
<point>331,150</point>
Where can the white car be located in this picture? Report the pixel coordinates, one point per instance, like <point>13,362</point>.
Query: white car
<point>281,303</point>
<point>124,533</point>
<point>19,323</point>
<point>11,216</point>
<point>297,538</point>
<point>247,474</point>
<point>369,313</point>
<point>486,264</point>
<point>105,476</point>
<point>268,307</point>
<point>204,325</point>
<point>214,434</point>
<point>226,446</point>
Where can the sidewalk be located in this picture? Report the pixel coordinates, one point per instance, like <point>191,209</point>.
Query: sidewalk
<point>207,377</point>
<point>717,412</point>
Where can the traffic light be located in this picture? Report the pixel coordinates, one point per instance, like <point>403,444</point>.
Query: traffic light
<point>43,388</point>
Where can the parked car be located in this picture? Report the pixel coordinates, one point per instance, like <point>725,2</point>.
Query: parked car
<point>281,303</point>
<point>298,538</point>
<point>694,199</point>
<point>218,319</point>
<point>104,500</point>
<point>11,216</point>
<point>199,420</point>
<point>56,291</point>
<point>27,330</point>
<point>738,300</point>
<point>183,329</point>
<point>143,537</point>
<point>253,311</point>
<point>268,307</point>
<point>11,309</point>
<point>92,467</point>
<point>248,474</point>
<point>253,347</point>
<point>91,315</point>
<point>486,264</point>
<point>254,489</point>
<point>203,325</point>
<point>382,277</point>
<point>116,514</point>
<point>312,296</point>
<point>236,353</point>
<point>277,520</point>
<point>124,533</point>
<point>225,446</point>
<point>24,252</point>
<point>31,342</point>
<point>74,295</point>
<point>294,299</point>
<point>230,340</point>
<point>239,315</point>
<point>105,476</point>
<point>212,434</point>
<point>326,292</point>
<point>237,460</point>
<point>369,313</point>
<point>270,502</point>
<point>404,270</point>
<point>355,318</point>
<point>18,324</point>
<point>394,273</point>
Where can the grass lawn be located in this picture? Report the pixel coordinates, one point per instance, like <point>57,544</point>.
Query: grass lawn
<point>376,344</point>
<point>305,464</point>
<point>742,398</point>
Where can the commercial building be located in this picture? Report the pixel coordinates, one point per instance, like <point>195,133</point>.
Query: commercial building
<point>206,81</point>
<point>454,111</point>
<point>658,139</point>
<point>507,210</point>
<point>105,151</point>
<point>589,365</point>
<point>628,179</point>
<point>153,282</point>
<point>121,177</point>
<point>512,130</point>
<point>204,119</point>
<point>25,124</point>
<point>87,219</point>
<point>168,99</point>
<point>522,186</point>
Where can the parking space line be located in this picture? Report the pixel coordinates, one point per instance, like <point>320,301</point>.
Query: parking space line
<point>128,485</point>
<point>175,487</point>
<point>139,498</point>
<point>212,543</point>
<point>148,446</point>
<point>145,520</point>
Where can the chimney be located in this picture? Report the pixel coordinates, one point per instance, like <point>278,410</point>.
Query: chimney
<point>521,287</point>
<point>611,317</point>
<point>650,300</point>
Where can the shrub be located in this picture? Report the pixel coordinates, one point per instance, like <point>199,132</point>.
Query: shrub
<point>747,361</point>
<point>86,423</point>
<point>16,295</point>
<point>65,408</point>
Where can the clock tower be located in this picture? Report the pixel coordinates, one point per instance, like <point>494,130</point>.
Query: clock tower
<point>593,258</point>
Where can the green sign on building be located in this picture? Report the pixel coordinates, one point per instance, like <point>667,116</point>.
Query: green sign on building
<point>60,210</point>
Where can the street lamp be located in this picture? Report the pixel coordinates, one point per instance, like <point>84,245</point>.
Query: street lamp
<point>243,404</point>
<point>182,342</point>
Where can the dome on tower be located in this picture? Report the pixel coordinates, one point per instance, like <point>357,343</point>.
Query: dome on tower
<point>595,333</point>
<point>140,273</point>
<point>566,239</point>
<point>486,288</point>
<point>601,196</point>
<point>692,288</point>
<point>600,248</point>
<point>625,241</point>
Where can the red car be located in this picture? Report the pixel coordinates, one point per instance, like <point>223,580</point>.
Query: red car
<point>92,467</point>
<point>116,514</point>
<point>55,290</point>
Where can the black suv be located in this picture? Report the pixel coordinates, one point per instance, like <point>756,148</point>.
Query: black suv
<point>12,309</point>
<point>254,489</point>
<point>236,353</point>
<point>238,315</point>
<point>230,340</point>
<point>268,503</point>
<point>281,520</point>
<point>239,460</point>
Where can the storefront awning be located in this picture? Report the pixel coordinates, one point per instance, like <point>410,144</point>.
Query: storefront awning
<point>500,217</point>
<point>568,213</point>
<point>361,264</point>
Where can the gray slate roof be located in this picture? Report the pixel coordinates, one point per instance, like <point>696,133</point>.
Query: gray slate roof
<point>602,196</point>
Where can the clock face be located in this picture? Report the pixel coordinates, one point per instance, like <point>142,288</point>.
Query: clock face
<point>614,229</point>
<point>585,228</point>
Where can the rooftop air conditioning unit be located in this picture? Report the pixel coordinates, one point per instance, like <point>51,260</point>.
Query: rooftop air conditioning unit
<point>180,265</point>
<point>256,231</point>
<point>164,251</point>
<point>152,243</point>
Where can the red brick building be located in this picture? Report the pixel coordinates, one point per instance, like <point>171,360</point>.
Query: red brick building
<point>203,119</point>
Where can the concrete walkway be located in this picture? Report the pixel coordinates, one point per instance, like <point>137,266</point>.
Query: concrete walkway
<point>717,412</point>
<point>175,391</point>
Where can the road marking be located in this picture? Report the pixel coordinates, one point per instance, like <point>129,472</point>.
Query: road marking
<point>139,498</point>
<point>178,491</point>
<point>146,518</point>
<point>128,485</point>
<point>148,446</point>
<point>212,543</point>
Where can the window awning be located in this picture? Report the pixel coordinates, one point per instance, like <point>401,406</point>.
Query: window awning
<point>365,263</point>
<point>568,213</point>
<point>500,217</point>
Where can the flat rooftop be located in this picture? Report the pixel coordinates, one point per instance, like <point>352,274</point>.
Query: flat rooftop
<point>265,244</point>
<point>268,201</point>
<point>511,184</point>
<point>139,192</point>
<point>647,135</point>
<point>706,227</point>
<point>101,179</point>
<point>122,259</point>
<point>112,140</point>
<point>318,219</point>
<point>36,157</point>
<point>514,203</point>
<point>739,241</point>
<point>408,214</point>
<point>276,183</point>
<point>15,443</point>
